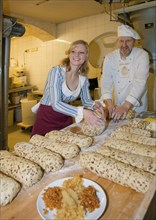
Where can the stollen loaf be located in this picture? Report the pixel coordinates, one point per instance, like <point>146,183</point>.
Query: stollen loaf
<point>92,130</point>
<point>131,114</point>
<point>9,188</point>
<point>68,137</point>
<point>22,170</point>
<point>48,160</point>
<point>138,131</point>
<point>145,163</point>
<point>67,150</point>
<point>131,147</point>
<point>138,123</point>
<point>134,138</point>
<point>116,171</point>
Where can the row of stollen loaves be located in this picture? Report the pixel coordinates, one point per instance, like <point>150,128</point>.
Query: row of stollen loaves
<point>26,165</point>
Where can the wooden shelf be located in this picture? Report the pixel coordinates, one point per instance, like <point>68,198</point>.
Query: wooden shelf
<point>22,91</point>
<point>22,125</point>
<point>23,88</point>
<point>14,106</point>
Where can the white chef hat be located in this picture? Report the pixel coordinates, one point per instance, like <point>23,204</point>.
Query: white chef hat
<point>127,31</point>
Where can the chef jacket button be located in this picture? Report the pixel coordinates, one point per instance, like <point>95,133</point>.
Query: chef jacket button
<point>118,81</point>
<point>129,81</point>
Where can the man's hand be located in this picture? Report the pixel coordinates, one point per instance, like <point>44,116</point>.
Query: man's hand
<point>120,111</point>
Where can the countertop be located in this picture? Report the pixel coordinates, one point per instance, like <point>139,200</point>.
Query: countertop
<point>123,203</point>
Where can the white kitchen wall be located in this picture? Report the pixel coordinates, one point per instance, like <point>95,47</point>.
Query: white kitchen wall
<point>38,57</point>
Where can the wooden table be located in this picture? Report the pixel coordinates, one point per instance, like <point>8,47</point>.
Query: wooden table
<point>123,203</point>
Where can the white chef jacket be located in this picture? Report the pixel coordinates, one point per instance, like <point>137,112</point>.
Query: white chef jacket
<point>126,79</point>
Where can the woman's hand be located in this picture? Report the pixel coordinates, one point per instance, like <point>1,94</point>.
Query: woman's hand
<point>91,118</point>
<point>110,107</point>
<point>100,110</point>
<point>110,110</point>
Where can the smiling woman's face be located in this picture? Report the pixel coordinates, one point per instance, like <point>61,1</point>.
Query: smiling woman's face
<point>126,45</point>
<point>78,55</point>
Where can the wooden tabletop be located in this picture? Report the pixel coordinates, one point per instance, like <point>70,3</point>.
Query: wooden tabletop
<point>123,203</point>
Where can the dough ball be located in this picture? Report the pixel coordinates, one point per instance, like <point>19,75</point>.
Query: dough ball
<point>93,130</point>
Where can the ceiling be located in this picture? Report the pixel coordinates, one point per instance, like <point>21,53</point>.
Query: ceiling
<point>57,11</point>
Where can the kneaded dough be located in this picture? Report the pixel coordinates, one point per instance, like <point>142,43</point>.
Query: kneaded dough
<point>128,129</point>
<point>48,160</point>
<point>116,171</point>
<point>24,171</point>
<point>138,123</point>
<point>136,138</point>
<point>67,150</point>
<point>9,188</point>
<point>131,114</point>
<point>131,147</point>
<point>145,163</point>
<point>71,138</point>
<point>92,130</point>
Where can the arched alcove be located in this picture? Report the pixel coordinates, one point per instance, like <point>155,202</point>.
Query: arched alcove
<point>100,46</point>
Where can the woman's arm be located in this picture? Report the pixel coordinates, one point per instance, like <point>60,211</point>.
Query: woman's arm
<point>85,95</point>
<point>53,93</point>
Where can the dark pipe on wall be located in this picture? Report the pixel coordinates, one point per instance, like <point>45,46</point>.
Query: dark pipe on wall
<point>1,95</point>
<point>5,75</point>
<point>10,28</point>
<point>4,92</point>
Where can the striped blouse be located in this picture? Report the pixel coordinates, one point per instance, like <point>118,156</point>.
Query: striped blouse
<point>59,96</point>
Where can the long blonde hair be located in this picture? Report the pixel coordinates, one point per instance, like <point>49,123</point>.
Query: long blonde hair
<point>66,61</point>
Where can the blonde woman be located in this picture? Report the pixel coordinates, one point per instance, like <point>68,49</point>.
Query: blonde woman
<point>65,83</point>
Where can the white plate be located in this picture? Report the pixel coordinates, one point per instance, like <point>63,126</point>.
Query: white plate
<point>86,182</point>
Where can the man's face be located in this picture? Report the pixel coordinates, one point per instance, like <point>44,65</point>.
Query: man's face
<point>125,45</point>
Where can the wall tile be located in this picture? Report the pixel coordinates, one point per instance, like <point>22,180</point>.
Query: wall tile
<point>50,53</point>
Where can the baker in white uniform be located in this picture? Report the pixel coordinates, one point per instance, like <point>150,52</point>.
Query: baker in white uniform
<point>125,74</point>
